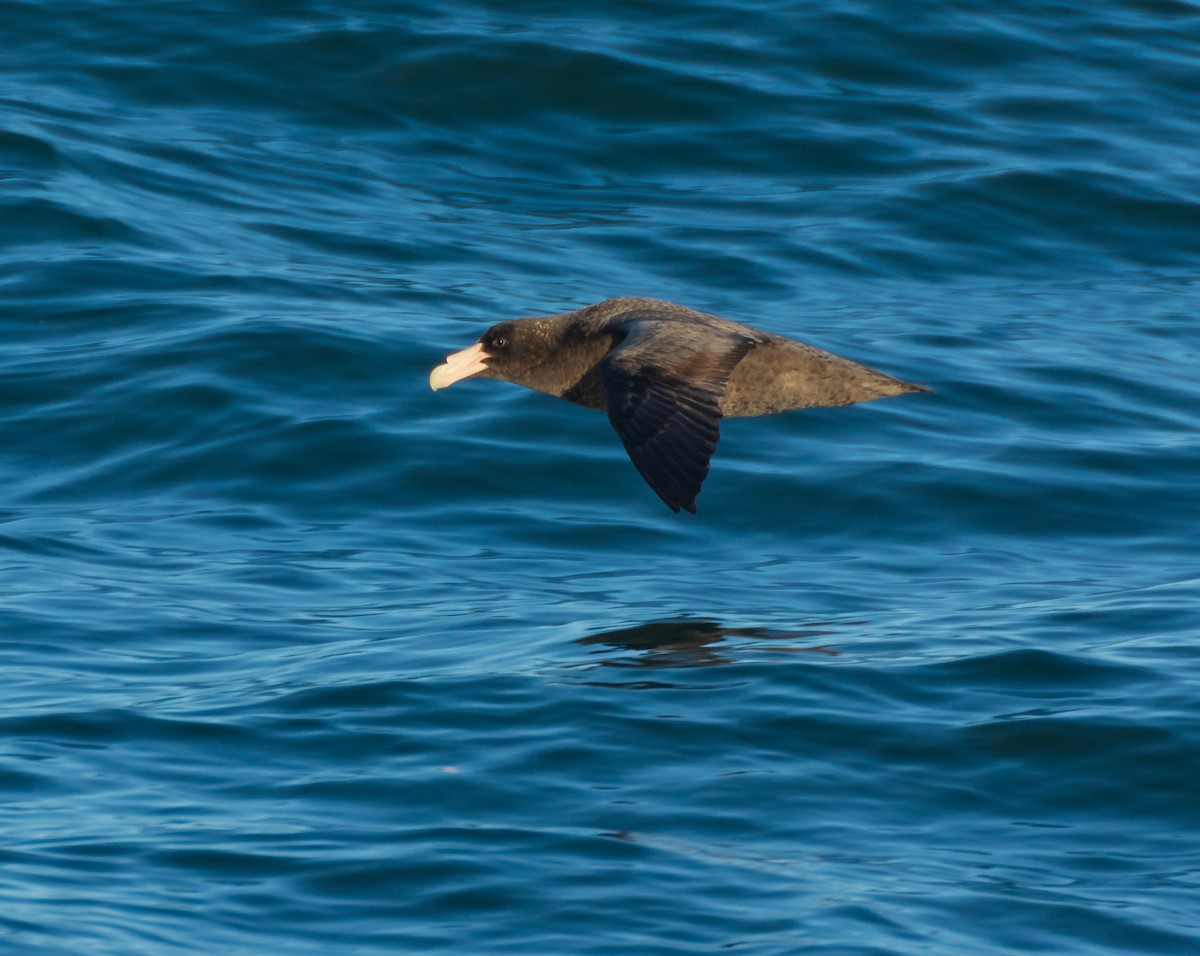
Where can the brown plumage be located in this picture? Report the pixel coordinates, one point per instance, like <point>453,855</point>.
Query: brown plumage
<point>666,375</point>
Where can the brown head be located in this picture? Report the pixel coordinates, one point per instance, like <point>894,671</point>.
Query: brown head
<point>541,354</point>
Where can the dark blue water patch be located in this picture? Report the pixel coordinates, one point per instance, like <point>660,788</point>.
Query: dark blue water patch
<point>34,222</point>
<point>20,152</point>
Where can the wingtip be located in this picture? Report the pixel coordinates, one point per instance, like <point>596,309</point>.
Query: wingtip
<point>675,506</point>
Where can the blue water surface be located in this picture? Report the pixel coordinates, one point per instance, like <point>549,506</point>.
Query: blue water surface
<point>300,657</point>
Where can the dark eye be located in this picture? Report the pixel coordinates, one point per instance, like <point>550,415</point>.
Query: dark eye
<point>499,342</point>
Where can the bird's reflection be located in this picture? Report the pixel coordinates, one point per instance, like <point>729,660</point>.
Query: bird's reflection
<point>700,643</point>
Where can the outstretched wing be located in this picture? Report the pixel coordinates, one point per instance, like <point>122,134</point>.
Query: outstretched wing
<point>664,384</point>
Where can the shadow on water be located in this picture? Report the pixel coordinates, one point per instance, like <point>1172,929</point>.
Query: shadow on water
<point>699,643</point>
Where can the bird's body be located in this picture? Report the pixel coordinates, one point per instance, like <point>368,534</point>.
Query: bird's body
<point>666,375</point>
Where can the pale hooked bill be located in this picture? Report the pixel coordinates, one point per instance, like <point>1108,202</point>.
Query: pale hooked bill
<point>460,365</point>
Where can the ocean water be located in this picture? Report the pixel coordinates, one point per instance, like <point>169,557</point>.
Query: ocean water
<point>300,657</point>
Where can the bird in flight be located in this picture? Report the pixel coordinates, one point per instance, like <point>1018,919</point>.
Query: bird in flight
<point>666,375</point>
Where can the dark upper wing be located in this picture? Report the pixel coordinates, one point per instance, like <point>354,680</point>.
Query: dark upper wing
<point>664,384</point>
